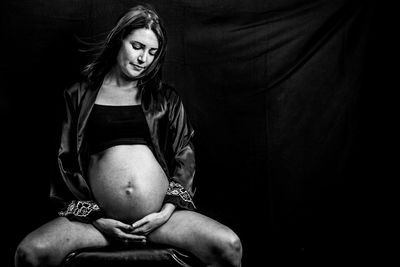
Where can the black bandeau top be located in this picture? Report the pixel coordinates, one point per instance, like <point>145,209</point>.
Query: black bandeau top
<point>116,125</point>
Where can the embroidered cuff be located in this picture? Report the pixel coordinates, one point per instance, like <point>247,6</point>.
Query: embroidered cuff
<point>178,195</point>
<point>83,211</point>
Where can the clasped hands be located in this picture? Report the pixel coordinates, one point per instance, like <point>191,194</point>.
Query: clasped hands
<point>138,231</point>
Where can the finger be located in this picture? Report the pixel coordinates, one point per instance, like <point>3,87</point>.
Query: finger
<point>140,230</point>
<point>132,238</point>
<point>124,226</point>
<point>139,241</point>
<point>139,222</point>
<point>125,235</point>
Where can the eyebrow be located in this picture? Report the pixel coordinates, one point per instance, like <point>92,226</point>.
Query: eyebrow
<point>137,42</point>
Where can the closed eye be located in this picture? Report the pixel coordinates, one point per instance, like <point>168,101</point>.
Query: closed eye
<point>137,46</point>
<point>153,52</point>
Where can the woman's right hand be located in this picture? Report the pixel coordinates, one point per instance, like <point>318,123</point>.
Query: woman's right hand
<point>117,230</point>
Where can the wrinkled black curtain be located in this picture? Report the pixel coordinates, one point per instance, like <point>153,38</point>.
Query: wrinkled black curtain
<point>277,93</point>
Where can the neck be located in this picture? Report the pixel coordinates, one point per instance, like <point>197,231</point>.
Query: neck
<point>118,79</point>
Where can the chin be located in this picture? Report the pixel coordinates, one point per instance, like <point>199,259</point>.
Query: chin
<point>133,75</point>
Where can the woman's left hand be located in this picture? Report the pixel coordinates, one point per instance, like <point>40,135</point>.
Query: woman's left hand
<point>150,222</point>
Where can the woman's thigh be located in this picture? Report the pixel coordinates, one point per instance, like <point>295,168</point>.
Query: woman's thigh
<point>198,234</point>
<point>55,239</point>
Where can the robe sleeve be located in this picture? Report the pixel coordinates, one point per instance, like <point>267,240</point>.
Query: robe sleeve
<point>180,191</point>
<point>69,190</point>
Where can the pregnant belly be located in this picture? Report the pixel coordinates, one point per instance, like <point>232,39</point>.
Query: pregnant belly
<point>127,182</point>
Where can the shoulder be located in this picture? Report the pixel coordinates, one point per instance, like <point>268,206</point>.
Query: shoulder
<point>170,94</point>
<point>76,88</point>
<point>75,92</point>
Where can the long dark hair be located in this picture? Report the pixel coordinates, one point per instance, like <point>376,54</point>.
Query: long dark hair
<point>105,52</point>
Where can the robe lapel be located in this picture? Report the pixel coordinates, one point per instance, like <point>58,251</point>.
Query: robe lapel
<point>86,106</point>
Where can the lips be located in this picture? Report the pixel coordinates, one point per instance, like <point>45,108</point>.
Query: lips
<point>137,67</point>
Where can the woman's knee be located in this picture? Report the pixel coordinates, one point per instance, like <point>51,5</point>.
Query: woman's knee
<point>33,253</point>
<point>229,249</point>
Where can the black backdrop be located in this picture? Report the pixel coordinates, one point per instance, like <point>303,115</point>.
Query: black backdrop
<point>279,93</point>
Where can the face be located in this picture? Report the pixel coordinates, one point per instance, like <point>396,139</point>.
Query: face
<point>137,52</point>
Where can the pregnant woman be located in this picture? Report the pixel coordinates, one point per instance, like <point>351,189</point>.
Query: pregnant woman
<point>126,158</point>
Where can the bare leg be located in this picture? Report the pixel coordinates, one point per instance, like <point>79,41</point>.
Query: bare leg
<point>212,242</point>
<point>50,243</point>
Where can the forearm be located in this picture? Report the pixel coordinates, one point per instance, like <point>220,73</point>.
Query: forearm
<point>167,210</point>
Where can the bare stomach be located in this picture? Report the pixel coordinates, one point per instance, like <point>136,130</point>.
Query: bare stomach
<point>127,182</point>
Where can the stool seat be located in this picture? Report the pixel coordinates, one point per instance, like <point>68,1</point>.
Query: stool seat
<point>133,255</point>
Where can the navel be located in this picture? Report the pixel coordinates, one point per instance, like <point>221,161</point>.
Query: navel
<point>129,189</point>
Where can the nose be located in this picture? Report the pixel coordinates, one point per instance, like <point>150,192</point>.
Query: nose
<point>142,57</point>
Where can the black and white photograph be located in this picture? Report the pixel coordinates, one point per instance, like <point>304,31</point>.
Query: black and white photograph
<point>193,133</point>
